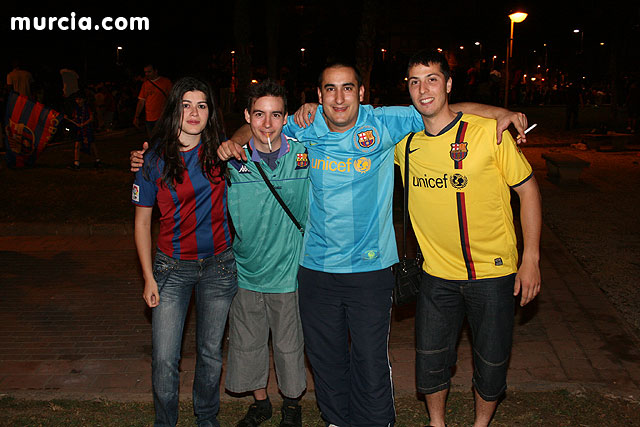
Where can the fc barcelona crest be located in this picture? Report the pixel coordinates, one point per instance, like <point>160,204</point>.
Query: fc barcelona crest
<point>302,160</point>
<point>458,151</point>
<point>366,139</point>
<point>21,138</point>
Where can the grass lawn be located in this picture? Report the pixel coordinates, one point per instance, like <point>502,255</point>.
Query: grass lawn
<point>553,408</point>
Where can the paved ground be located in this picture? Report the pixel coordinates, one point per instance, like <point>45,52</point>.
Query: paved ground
<point>73,323</point>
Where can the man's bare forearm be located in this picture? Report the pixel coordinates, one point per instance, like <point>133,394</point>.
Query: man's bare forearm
<point>530,218</point>
<point>483,110</point>
<point>242,135</point>
<point>503,117</point>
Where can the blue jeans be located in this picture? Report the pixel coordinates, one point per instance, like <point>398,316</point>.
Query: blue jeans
<point>442,304</point>
<point>214,280</point>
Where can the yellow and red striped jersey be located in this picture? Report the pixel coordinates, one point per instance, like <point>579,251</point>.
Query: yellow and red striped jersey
<point>459,198</point>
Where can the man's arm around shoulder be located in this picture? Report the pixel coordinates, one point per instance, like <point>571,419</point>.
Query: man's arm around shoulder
<point>503,116</point>
<point>232,148</point>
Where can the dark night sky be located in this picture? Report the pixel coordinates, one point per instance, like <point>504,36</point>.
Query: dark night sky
<point>187,34</point>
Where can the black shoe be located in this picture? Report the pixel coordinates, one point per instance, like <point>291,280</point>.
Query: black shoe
<point>74,167</point>
<point>256,415</point>
<point>97,164</point>
<point>291,416</point>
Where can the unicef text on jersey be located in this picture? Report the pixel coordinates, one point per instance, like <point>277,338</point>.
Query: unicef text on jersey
<point>457,181</point>
<point>361,165</point>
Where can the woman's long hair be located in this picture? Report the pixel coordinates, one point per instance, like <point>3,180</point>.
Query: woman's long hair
<point>167,132</point>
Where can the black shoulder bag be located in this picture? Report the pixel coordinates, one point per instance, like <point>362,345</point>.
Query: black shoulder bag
<point>277,196</point>
<point>408,271</point>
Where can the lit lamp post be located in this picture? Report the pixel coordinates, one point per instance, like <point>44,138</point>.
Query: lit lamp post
<point>576,31</point>
<point>118,49</point>
<point>515,17</point>
<point>234,81</point>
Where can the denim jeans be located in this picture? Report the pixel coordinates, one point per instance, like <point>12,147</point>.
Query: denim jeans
<point>214,280</point>
<point>442,304</point>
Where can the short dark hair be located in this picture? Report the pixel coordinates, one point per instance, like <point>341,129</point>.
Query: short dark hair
<point>430,57</point>
<point>266,87</point>
<point>337,64</point>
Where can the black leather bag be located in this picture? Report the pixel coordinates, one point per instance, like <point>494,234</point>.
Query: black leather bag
<point>408,270</point>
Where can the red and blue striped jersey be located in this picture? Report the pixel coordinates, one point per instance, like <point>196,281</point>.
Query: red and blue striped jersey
<point>193,215</point>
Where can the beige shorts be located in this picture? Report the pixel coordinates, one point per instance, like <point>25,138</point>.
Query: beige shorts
<point>251,317</point>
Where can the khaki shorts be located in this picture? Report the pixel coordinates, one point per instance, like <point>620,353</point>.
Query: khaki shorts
<point>252,316</point>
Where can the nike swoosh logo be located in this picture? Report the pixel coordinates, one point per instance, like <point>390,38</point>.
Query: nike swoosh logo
<point>415,149</point>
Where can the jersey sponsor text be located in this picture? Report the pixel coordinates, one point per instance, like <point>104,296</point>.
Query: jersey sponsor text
<point>430,182</point>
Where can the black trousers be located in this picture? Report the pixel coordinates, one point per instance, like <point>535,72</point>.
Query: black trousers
<point>345,320</point>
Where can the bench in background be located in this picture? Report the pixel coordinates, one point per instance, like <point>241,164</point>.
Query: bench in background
<point>564,167</point>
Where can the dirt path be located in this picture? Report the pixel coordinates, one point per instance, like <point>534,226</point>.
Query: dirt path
<point>598,220</point>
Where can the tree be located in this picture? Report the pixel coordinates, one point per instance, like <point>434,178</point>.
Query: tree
<point>365,43</point>
<point>242,34</point>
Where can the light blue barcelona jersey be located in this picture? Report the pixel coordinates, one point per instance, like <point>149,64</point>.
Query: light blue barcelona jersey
<point>350,225</point>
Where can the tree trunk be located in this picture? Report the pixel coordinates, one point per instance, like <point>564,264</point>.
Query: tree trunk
<point>273,27</point>
<point>241,30</point>
<point>365,43</point>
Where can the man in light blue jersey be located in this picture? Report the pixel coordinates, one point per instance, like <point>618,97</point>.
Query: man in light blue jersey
<point>345,279</point>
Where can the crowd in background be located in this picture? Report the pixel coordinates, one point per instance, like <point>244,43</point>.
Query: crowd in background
<point>114,101</point>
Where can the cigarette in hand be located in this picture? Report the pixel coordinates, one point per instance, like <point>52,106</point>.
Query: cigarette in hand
<point>529,129</point>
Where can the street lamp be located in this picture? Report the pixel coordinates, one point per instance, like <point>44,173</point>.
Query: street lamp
<point>515,17</point>
<point>576,31</point>
<point>234,81</point>
<point>480,47</point>
<point>118,49</point>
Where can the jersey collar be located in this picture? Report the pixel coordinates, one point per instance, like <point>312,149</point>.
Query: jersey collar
<point>320,127</point>
<point>447,127</point>
<point>284,148</point>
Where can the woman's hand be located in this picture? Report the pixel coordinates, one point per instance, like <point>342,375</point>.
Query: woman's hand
<point>150,293</point>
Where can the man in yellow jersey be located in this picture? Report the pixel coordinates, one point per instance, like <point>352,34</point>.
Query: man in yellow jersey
<point>459,202</point>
